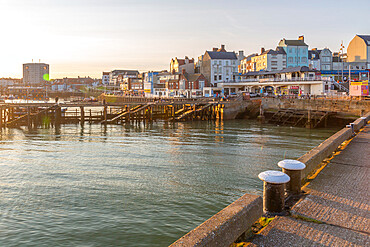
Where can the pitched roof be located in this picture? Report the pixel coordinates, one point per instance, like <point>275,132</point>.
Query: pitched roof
<point>314,55</point>
<point>293,42</point>
<point>192,77</point>
<point>366,38</point>
<point>249,57</point>
<point>274,52</point>
<point>221,55</point>
<point>123,71</point>
<point>182,61</point>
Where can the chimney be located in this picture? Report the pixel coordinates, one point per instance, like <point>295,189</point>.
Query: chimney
<point>262,50</point>
<point>222,47</point>
<point>301,38</point>
<point>314,49</point>
<point>214,49</point>
<point>183,71</point>
<point>241,53</point>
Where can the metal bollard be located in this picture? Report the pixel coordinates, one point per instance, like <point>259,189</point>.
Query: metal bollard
<point>364,119</point>
<point>352,127</point>
<point>273,190</point>
<point>293,169</point>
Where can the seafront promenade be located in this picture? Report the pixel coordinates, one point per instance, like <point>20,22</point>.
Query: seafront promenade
<point>335,210</point>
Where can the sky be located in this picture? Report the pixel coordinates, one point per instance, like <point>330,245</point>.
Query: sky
<point>87,37</point>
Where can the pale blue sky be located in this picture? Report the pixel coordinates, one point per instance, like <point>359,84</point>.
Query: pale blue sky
<point>86,37</point>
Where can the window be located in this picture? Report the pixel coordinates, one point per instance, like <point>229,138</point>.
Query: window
<point>290,60</point>
<point>304,60</point>
<point>215,77</point>
<point>227,63</point>
<point>220,77</point>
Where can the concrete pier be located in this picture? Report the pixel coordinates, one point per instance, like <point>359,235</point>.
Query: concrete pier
<point>336,210</point>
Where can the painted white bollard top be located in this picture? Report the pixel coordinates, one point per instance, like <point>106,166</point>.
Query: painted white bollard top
<point>364,118</point>
<point>274,177</point>
<point>294,165</point>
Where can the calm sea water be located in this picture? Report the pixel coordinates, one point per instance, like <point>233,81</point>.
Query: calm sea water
<point>132,186</point>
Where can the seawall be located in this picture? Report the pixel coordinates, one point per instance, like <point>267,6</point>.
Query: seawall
<point>350,107</point>
<point>230,223</point>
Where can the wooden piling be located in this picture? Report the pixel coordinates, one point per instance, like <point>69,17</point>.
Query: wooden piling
<point>1,117</point>
<point>58,115</point>
<point>105,113</point>
<point>82,113</point>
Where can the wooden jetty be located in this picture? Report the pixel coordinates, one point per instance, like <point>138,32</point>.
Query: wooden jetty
<point>306,118</point>
<point>43,114</point>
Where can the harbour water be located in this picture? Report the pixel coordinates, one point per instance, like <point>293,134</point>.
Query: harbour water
<point>132,185</point>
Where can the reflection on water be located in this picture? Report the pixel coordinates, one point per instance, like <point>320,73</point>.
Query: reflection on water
<point>132,185</point>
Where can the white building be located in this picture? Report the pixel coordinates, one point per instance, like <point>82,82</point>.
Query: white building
<point>35,73</point>
<point>219,65</point>
<point>105,78</point>
<point>156,83</point>
<point>113,76</point>
<point>289,81</point>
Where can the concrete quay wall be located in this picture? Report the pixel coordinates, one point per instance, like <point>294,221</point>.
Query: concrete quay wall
<point>352,107</point>
<point>226,226</point>
<point>315,156</point>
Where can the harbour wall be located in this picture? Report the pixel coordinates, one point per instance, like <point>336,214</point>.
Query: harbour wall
<point>229,224</point>
<point>350,107</point>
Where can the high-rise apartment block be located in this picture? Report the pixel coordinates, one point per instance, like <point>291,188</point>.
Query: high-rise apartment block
<point>35,73</point>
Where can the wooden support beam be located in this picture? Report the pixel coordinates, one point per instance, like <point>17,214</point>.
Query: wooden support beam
<point>105,113</point>
<point>1,117</point>
<point>58,115</point>
<point>82,113</point>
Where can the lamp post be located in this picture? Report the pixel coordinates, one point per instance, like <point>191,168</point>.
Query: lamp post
<point>341,57</point>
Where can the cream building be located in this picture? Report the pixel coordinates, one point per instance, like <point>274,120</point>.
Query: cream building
<point>359,50</point>
<point>270,60</point>
<point>177,65</point>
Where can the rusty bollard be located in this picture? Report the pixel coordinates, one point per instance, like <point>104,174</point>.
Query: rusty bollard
<point>273,191</point>
<point>293,169</point>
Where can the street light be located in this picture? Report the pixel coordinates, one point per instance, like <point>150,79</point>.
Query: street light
<point>341,49</point>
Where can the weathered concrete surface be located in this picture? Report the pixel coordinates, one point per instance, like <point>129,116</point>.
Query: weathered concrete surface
<point>355,107</point>
<point>226,226</point>
<point>338,197</point>
<point>287,231</point>
<point>316,155</point>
